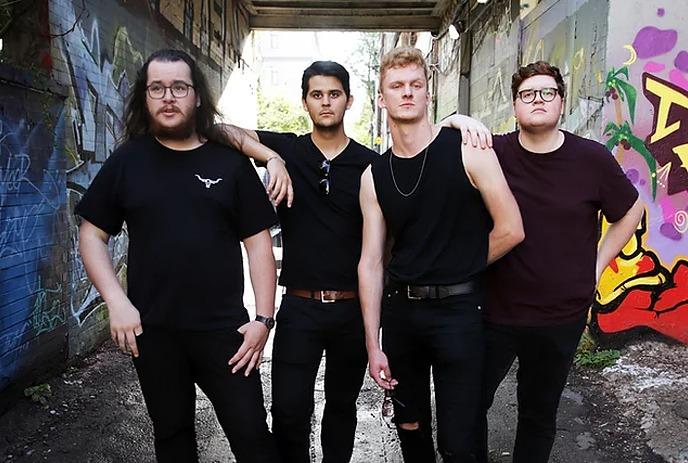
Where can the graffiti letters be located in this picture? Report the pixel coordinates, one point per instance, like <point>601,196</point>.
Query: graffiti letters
<point>669,140</point>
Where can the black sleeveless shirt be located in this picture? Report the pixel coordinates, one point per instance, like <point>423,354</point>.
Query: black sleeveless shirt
<point>440,231</point>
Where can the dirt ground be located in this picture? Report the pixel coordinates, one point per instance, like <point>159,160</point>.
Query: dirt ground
<point>624,414</point>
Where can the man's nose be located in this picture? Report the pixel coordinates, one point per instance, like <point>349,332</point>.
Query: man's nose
<point>167,96</point>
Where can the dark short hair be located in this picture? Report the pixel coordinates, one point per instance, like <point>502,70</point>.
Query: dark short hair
<point>325,68</point>
<point>136,118</point>
<point>538,68</point>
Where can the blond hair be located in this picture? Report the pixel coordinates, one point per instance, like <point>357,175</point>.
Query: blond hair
<point>402,57</point>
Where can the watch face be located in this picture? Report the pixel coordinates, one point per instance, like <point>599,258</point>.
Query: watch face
<point>268,321</point>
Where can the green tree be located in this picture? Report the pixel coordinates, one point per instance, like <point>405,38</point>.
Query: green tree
<point>277,114</point>
<point>364,64</point>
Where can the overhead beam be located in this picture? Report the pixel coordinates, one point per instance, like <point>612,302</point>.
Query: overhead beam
<point>390,22</point>
<point>279,11</point>
<point>326,4</point>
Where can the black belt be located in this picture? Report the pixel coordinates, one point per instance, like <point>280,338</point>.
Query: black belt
<point>436,291</point>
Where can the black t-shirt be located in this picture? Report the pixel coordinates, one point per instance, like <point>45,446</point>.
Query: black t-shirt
<point>549,278</point>
<point>440,232</point>
<point>186,212</point>
<point>321,233</point>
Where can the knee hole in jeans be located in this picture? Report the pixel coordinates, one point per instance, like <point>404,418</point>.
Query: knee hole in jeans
<point>409,426</point>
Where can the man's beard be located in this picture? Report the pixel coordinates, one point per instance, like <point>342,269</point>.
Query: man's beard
<point>179,132</point>
<point>333,127</point>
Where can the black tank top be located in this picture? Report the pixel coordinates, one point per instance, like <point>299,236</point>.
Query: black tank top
<point>440,232</point>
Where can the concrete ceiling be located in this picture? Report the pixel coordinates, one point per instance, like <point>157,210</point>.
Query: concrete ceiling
<point>364,15</point>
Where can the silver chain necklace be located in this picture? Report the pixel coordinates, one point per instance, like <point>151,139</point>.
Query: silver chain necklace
<point>420,175</point>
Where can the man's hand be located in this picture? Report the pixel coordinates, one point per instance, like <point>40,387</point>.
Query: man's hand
<point>250,352</point>
<point>378,367</point>
<point>472,130</point>
<point>279,184</point>
<point>125,325</point>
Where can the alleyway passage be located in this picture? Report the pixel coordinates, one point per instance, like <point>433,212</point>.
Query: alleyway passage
<point>96,414</point>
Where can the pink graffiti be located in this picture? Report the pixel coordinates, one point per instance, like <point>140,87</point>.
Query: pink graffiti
<point>653,67</point>
<point>677,78</point>
<point>668,209</point>
<point>650,41</point>
<point>660,12</point>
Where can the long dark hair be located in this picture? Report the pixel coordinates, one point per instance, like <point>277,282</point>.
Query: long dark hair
<point>136,118</point>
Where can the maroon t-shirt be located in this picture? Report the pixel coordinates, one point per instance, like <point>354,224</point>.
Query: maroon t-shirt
<point>549,278</point>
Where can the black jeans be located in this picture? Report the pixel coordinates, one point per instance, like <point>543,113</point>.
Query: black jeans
<point>544,356</point>
<point>306,328</point>
<point>169,365</point>
<point>447,336</point>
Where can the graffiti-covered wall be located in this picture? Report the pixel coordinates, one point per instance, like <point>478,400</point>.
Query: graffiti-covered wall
<point>646,126</point>
<point>66,68</point>
<point>627,81</point>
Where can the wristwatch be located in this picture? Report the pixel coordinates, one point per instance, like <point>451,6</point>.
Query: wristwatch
<point>267,321</point>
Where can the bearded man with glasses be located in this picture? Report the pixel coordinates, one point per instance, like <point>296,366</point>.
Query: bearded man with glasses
<point>188,203</point>
<point>538,295</point>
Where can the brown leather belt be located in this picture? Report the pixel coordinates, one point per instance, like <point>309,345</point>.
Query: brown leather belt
<point>325,297</point>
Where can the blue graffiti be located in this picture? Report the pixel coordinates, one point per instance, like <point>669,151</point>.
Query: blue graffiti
<point>32,204</point>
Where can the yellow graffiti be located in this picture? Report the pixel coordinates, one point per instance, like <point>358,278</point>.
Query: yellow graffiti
<point>667,97</point>
<point>578,59</point>
<point>682,153</point>
<point>626,270</point>
<point>634,56</point>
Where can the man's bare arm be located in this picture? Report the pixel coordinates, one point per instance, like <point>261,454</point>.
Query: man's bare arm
<point>371,279</point>
<point>125,321</point>
<point>617,236</point>
<point>261,263</point>
<point>484,171</point>
<point>472,130</point>
<point>248,142</point>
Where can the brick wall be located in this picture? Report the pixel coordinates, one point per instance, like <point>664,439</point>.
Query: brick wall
<point>65,69</point>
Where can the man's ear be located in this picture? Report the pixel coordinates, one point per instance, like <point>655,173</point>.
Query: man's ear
<point>349,101</point>
<point>380,100</point>
<point>303,103</point>
<point>198,101</point>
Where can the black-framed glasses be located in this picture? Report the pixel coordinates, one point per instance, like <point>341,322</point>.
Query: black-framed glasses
<point>547,94</point>
<point>324,183</point>
<point>388,408</point>
<point>178,89</point>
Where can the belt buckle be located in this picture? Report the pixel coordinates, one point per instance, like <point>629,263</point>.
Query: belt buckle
<point>410,296</point>
<point>325,301</point>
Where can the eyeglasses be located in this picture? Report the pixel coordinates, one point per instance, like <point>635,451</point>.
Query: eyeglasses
<point>546,94</point>
<point>178,90</point>
<point>324,183</point>
<point>388,408</point>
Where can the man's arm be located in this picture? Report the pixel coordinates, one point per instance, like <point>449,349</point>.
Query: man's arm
<point>485,173</point>
<point>471,130</point>
<point>261,263</point>
<point>371,280</point>
<point>248,142</point>
<point>125,321</point>
<point>617,236</point>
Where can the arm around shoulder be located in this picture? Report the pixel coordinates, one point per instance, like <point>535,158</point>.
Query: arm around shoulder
<point>486,174</point>
<point>248,143</point>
